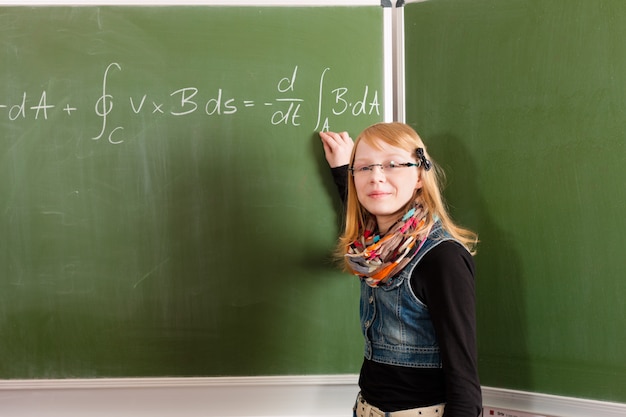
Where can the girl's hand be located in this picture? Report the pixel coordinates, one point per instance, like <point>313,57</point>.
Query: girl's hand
<point>337,148</point>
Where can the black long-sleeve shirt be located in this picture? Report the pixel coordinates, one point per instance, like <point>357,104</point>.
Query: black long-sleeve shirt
<point>444,281</point>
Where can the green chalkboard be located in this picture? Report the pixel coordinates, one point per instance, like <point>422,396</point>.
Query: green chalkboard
<point>166,209</point>
<point>524,104</point>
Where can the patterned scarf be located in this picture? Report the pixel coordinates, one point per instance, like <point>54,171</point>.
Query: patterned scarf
<point>376,258</point>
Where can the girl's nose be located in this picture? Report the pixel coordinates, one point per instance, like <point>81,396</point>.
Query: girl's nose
<point>377,173</point>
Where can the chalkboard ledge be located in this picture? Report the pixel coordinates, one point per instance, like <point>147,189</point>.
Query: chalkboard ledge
<point>280,396</point>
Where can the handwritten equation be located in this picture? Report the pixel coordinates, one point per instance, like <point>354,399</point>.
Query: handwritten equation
<point>284,109</point>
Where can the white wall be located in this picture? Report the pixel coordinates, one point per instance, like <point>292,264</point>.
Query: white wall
<point>285,396</point>
<point>180,397</point>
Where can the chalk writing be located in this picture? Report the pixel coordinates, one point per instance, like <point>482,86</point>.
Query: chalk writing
<point>285,109</point>
<point>102,109</point>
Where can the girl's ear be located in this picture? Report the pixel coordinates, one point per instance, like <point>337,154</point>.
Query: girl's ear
<point>419,183</point>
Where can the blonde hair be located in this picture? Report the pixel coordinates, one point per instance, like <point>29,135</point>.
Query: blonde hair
<point>402,136</point>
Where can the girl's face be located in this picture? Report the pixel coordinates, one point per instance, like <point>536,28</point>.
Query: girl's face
<point>384,192</point>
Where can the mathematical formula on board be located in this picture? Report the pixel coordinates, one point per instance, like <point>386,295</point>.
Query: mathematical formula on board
<point>285,108</point>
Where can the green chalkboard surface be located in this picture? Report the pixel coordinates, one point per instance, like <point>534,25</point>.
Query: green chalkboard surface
<point>166,209</point>
<point>524,104</point>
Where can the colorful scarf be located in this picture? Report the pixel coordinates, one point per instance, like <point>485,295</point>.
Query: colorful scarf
<point>376,258</point>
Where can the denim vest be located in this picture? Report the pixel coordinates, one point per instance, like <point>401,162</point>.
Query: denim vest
<point>395,323</point>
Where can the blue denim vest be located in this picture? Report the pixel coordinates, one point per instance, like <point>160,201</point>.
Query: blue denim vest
<point>395,323</point>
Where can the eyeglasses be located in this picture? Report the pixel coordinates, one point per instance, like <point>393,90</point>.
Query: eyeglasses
<point>388,168</point>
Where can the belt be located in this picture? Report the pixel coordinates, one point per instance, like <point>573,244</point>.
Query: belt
<point>363,409</point>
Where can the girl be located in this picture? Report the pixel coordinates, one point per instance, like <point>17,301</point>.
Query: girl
<point>416,271</point>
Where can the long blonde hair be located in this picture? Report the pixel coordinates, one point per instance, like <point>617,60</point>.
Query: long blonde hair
<point>405,137</point>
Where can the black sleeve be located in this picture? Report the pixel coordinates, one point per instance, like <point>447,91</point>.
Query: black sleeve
<point>444,280</point>
<point>340,176</point>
